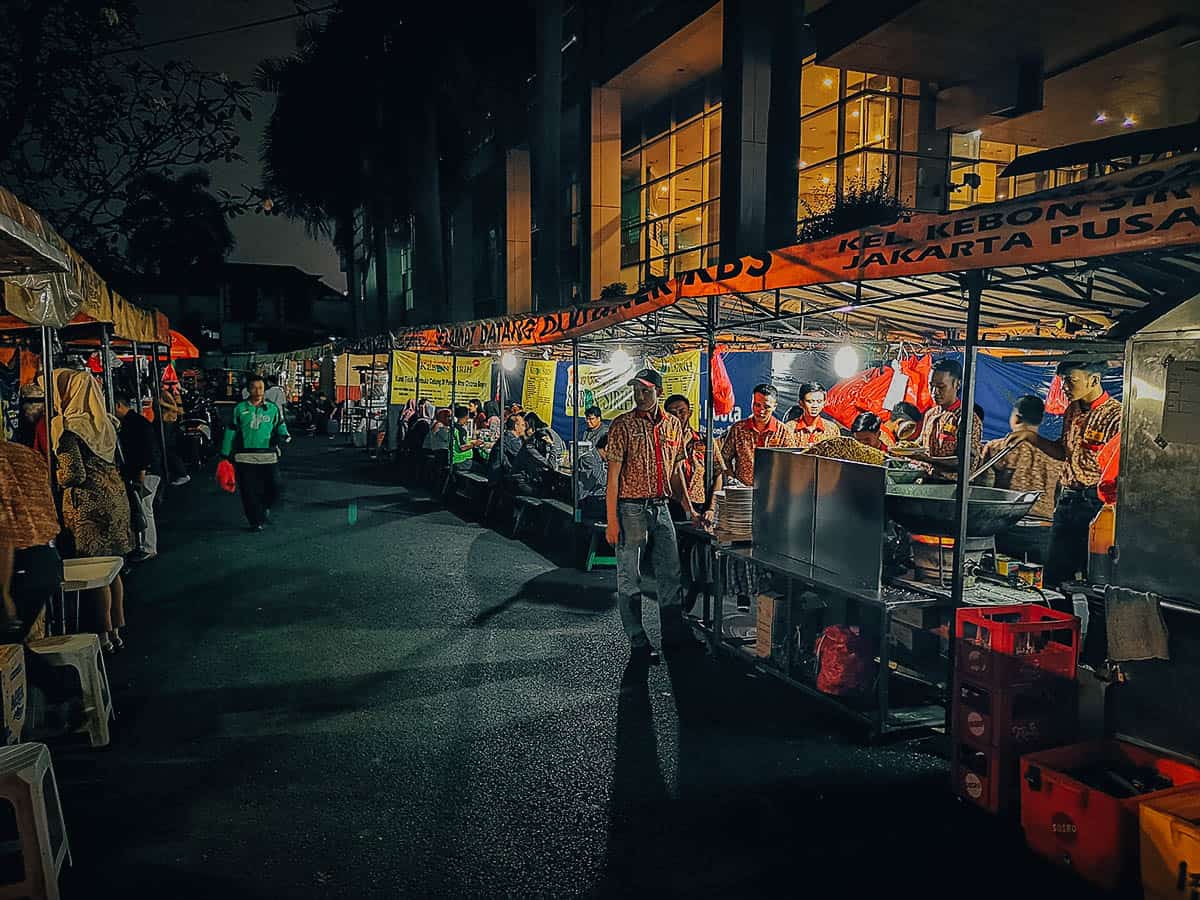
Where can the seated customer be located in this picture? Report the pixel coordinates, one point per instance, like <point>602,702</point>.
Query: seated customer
<point>462,445</point>
<point>864,446</point>
<point>504,455</point>
<point>592,472</point>
<point>545,439</point>
<point>439,432</point>
<point>535,458</point>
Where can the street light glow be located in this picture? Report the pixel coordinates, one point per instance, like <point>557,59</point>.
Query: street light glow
<point>845,362</point>
<point>508,362</point>
<point>620,360</point>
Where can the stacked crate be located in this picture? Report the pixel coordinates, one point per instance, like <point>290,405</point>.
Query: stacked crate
<point>1014,693</point>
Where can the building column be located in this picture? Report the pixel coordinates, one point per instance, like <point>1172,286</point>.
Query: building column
<point>745,103</point>
<point>517,225</point>
<point>461,262</point>
<point>547,155</point>
<point>604,192</point>
<point>789,46</point>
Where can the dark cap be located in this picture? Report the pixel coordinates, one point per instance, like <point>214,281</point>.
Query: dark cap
<point>648,377</point>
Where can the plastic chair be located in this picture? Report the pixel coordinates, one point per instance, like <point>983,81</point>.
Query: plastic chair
<point>33,835</point>
<point>82,653</point>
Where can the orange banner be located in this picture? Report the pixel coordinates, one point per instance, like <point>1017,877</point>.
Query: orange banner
<point>1145,208</point>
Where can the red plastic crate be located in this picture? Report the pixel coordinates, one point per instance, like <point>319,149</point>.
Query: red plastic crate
<point>986,776</point>
<point>1023,718</point>
<point>1083,828</point>
<point>1019,640</point>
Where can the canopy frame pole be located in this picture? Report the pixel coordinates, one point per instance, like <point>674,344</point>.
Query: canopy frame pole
<point>972,282</point>
<point>106,367</point>
<point>417,389</point>
<point>164,487</point>
<point>575,516</point>
<point>346,404</point>
<point>710,476</point>
<point>453,383</point>
<point>48,394</point>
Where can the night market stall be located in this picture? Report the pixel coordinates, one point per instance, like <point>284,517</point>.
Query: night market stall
<point>1105,270</point>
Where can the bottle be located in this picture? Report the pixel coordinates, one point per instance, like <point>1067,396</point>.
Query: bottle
<point>1101,537</point>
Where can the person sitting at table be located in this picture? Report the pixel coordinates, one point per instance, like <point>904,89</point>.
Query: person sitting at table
<point>592,473</point>
<point>810,427</point>
<point>462,445</point>
<point>534,460</point>
<point>595,425</point>
<point>503,457</point>
<point>864,444</point>
<point>547,443</point>
<point>439,431</point>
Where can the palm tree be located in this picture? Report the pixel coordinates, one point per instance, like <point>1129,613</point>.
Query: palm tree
<point>175,227</point>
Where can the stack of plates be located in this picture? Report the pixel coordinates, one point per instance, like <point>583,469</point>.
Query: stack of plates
<point>735,510</point>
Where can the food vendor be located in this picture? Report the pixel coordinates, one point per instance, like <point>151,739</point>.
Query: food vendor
<point>938,440</point>
<point>762,429</point>
<point>904,424</point>
<point>811,427</point>
<point>1091,420</point>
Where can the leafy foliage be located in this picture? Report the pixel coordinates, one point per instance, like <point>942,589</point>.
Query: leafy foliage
<point>861,204</point>
<point>174,226</point>
<point>83,119</point>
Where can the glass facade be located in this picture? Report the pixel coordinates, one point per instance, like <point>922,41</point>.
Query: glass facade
<point>971,154</point>
<point>671,186</point>
<point>855,129</point>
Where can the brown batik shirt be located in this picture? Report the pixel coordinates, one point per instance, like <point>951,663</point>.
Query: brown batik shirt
<point>693,468</point>
<point>939,432</point>
<point>649,447</point>
<point>743,439</point>
<point>1086,429</point>
<point>1026,468</point>
<point>821,429</point>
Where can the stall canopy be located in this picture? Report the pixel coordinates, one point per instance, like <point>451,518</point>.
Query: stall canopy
<point>28,245</point>
<point>1094,258</point>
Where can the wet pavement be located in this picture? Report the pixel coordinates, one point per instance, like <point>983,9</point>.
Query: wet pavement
<point>377,698</point>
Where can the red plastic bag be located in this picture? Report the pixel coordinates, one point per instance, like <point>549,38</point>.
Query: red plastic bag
<point>864,392</point>
<point>845,661</point>
<point>722,387</point>
<point>1109,460</point>
<point>918,369</point>
<point>1056,397</point>
<point>226,477</point>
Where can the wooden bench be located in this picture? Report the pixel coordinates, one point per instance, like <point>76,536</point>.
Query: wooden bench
<point>522,506</point>
<point>562,509</point>
<point>469,485</point>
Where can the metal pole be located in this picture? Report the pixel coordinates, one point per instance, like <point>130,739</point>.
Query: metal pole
<point>137,375</point>
<point>453,382</point>
<point>48,392</point>
<point>346,402</point>
<point>710,476</point>
<point>106,352</point>
<point>417,389</point>
<point>973,282</point>
<point>575,431</point>
<point>162,426</point>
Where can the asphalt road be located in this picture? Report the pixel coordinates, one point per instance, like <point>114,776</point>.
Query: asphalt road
<point>376,698</point>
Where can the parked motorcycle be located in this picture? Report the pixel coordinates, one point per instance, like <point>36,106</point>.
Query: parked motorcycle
<point>198,430</point>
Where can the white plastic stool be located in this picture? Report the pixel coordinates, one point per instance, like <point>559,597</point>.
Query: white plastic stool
<point>85,574</point>
<point>39,847</point>
<point>82,653</point>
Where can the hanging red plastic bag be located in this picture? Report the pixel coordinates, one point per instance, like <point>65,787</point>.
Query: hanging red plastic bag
<point>918,369</point>
<point>722,387</point>
<point>864,392</point>
<point>226,477</point>
<point>845,661</point>
<point>1109,460</point>
<point>1056,397</point>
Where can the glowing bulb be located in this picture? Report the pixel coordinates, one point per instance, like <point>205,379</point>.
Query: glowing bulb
<point>825,180</point>
<point>1101,118</point>
<point>508,361</point>
<point>1129,122</point>
<point>854,115</point>
<point>828,82</point>
<point>620,360</point>
<point>845,362</point>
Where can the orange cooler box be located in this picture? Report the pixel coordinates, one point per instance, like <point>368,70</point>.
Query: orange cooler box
<point>1171,844</point>
<point>1084,828</point>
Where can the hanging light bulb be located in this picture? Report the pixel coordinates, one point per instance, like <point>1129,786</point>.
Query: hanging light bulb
<point>845,362</point>
<point>620,360</point>
<point>508,361</point>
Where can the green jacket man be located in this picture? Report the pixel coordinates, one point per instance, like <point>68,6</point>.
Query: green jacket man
<point>252,440</point>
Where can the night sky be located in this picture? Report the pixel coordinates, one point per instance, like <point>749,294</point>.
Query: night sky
<point>264,239</point>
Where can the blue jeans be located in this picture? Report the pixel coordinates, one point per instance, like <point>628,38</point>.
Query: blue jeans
<point>648,522</point>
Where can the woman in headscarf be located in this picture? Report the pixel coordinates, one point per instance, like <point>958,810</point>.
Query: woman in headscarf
<point>439,433</point>
<point>407,415</point>
<point>95,506</point>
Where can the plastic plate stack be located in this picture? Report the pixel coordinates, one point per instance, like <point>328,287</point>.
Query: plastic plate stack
<point>735,511</point>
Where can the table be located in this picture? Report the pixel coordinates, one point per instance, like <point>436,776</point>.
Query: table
<point>85,574</point>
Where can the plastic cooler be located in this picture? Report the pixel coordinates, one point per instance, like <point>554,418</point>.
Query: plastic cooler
<point>1003,646</point>
<point>1170,844</point>
<point>1081,827</point>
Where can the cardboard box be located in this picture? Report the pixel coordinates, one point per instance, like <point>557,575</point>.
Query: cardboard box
<point>13,691</point>
<point>769,606</point>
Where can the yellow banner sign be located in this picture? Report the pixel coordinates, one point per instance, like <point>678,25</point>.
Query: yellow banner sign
<point>469,379</point>
<point>537,391</point>
<point>608,388</point>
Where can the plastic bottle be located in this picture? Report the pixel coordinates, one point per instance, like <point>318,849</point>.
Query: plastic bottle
<point>1101,537</point>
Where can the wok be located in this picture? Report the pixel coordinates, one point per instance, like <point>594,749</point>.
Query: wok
<point>929,508</point>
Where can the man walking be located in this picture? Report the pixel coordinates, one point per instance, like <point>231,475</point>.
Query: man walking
<point>645,450</point>
<point>140,467</point>
<point>252,442</point>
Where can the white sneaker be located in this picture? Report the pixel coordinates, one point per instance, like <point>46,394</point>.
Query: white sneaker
<point>182,479</point>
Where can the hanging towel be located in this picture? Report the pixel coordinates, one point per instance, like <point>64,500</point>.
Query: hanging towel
<point>1136,629</point>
